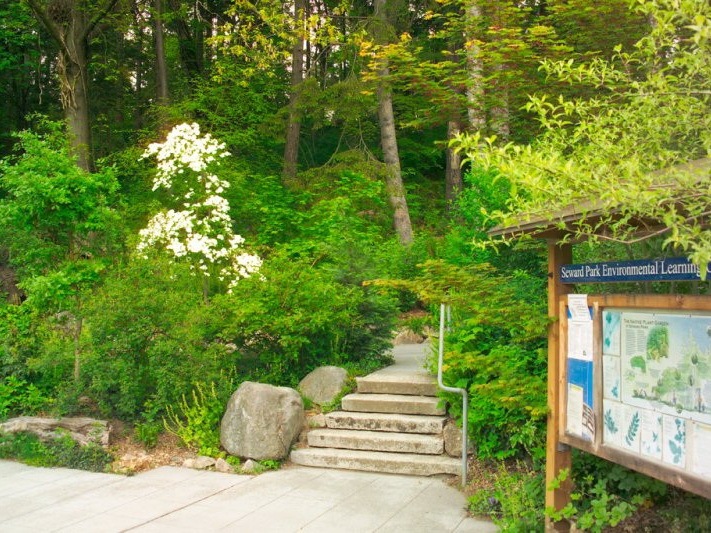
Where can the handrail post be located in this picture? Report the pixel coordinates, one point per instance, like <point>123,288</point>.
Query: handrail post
<point>462,392</point>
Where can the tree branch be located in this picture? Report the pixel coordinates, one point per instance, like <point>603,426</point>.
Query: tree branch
<point>97,18</point>
<point>48,23</point>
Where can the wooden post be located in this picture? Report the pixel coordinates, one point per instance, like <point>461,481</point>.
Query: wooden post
<point>558,455</point>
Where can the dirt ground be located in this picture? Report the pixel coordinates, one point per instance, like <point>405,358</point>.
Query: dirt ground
<point>133,457</point>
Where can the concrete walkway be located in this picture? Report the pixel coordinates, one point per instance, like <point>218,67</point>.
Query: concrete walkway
<point>171,499</point>
<point>292,499</point>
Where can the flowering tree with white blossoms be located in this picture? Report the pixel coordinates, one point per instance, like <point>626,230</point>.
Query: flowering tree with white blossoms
<point>201,232</point>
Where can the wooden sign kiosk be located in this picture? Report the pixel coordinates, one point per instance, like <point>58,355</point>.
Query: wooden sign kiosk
<point>629,381</point>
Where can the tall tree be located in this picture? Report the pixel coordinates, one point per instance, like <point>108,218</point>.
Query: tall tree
<point>70,23</point>
<point>293,128</point>
<point>159,42</point>
<point>388,134</point>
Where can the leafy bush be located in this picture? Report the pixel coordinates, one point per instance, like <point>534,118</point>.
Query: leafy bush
<point>298,318</point>
<point>17,396</point>
<point>62,451</point>
<point>197,422</point>
<point>512,497</point>
<point>605,494</point>
<point>148,344</point>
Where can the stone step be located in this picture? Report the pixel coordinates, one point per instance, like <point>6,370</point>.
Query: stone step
<point>392,403</point>
<point>411,384</point>
<point>386,422</point>
<point>376,441</point>
<point>392,463</point>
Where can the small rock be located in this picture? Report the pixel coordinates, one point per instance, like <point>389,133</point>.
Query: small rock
<point>189,463</point>
<point>134,462</point>
<point>317,421</point>
<point>323,384</point>
<point>249,467</point>
<point>407,336</point>
<point>202,462</point>
<point>223,466</point>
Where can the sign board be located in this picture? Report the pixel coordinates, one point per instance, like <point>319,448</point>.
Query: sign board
<point>643,396</point>
<point>669,269</point>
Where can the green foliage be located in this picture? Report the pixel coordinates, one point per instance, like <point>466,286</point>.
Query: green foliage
<point>147,432</point>
<point>605,494</point>
<point>197,422</point>
<point>52,213</point>
<point>17,396</point>
<point>628,146</point>
<point>266,465</point>
<point>514,499</point>
<point>59,452</point>
<point>148,344</point>
<point>335,404</point>
<point>297,318</point>
<point>495,349</point>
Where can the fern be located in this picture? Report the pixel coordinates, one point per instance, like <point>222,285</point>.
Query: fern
<point>632,430</point>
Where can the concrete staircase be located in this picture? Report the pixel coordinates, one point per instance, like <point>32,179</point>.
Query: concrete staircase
<point>391,424</point>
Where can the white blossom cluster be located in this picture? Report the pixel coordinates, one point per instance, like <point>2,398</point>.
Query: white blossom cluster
<point>202,231</point>
<point>184,149</point>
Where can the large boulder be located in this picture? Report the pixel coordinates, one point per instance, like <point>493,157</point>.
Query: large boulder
<point>83,430</point>
<point>261,421</point>
<point>323,384</point>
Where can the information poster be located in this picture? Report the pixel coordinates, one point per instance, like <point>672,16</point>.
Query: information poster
<point>580,416</point>
<point>657,386</point>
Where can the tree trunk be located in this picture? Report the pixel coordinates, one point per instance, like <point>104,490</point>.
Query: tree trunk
<point>293,127</point>
<point>70,26</point>
<point>475,66</point>
<point>453,178</point>
<point>388,142</point>
<point>161,68</point>
<point>74,92</point>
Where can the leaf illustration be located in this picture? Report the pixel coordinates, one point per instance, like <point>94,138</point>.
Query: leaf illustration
<point>632,429</point>
<point>610,422</point>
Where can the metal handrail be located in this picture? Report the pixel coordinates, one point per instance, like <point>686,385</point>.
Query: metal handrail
<point>462,392</point>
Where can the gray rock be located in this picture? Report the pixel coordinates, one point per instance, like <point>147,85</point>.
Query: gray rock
<point>407,336</point>
<point>83,430</point>
<point>203,462</point>
<point>323,384</point>
<point>261,421</point>
<point>316,421</point>
<point>223,466</point>
<point>249,467</point>
<point>189,463</point>
<point>453,439</point>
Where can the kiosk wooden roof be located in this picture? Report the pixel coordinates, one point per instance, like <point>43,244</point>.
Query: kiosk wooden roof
<point>553,228</point>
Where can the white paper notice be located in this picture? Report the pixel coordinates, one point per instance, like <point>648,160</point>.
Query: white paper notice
<point>702,450</point>
<point>578,307</point>
<point>574,411</point>
<point>580,340</point>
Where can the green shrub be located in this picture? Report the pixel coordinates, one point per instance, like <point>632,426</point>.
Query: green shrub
<point>297,317</point>
<point>197,421</point>
<point>514,498</point>
<point>604,494</point>
<point>62,451</point>
<point>17,396</point>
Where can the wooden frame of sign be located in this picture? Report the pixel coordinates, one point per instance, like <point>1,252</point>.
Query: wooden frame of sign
<point>689,473</point>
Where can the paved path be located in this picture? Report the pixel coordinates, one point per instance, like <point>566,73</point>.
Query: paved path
<point>171,499</point>
<point>292,499</point>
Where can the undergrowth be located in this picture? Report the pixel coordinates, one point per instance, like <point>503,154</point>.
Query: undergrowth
<point>60,452</point>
